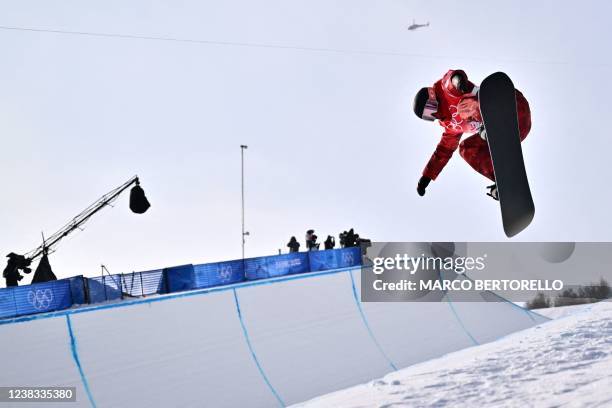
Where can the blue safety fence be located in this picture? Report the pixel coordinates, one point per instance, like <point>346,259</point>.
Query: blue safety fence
<point>272,266</point>
<point>187,277</point>
<point>334,259</point>
<point>179,278</point>
<point>218,274</point>
<point>35,298</point>
<point>104,288</point>
<point>7,303</point>
<point>79,290</point>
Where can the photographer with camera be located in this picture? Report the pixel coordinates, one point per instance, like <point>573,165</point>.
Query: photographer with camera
<point>15,264</point>
<point>330,242</point>
<point>364,244</point>
<point>342,237</point>
<point>350,239</point>
<point>311,241</point>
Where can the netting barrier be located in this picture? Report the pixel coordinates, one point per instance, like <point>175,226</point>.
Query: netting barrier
<point>145,283</point>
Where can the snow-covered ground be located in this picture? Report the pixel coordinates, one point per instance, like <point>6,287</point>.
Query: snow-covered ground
<point>563,311</point>
<point>565,362</point>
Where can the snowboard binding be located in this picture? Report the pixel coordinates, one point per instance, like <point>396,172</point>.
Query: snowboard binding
<point>493,192</point>
<point>482,132</point>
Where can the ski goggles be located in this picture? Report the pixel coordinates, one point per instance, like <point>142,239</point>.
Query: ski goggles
<point>431,106</point>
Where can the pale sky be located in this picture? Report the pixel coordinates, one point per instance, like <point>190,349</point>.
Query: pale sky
<point>333,142</point>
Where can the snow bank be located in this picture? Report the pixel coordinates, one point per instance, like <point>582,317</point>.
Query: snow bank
<point>565,362</point>
<point>563,311</point>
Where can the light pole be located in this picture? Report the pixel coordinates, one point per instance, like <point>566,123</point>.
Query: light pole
<point>244,233</point>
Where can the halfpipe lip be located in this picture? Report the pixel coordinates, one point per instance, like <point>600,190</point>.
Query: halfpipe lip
<point>169,296</point>
<point>354,343</point>
<point>200,292</point>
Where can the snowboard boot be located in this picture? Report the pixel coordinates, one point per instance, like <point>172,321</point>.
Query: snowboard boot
<point>493,192</point>
<point>483,133</point>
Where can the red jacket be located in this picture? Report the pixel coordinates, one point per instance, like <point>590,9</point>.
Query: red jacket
<point>454,126</point>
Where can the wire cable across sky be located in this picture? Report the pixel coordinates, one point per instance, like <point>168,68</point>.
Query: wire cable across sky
<point>269,46</point>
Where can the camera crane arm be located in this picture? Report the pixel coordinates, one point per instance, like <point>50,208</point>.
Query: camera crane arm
<point>16,263</point>
<point>80,219</point>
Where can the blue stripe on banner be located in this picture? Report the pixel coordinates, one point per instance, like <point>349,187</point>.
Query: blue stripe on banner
<point>248,341</point>
<point>367,325</point>
<point>75,356</point>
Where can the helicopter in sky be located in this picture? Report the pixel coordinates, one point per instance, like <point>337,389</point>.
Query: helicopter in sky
<point>414,26</point>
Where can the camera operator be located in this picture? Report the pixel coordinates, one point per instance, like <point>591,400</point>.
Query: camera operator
<point>330,242</point>
<point>342,237</point>
<point>13,266</point>
<point>349,239</point>
<point>311,240</point>
<point>364,244</point>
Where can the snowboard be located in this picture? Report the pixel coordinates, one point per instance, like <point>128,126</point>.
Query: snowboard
<point>498,109</point>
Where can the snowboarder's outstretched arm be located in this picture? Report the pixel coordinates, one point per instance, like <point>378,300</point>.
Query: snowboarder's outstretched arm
<point>444,151</point>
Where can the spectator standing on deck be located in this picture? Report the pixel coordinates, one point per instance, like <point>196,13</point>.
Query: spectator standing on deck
<point>294,245</point>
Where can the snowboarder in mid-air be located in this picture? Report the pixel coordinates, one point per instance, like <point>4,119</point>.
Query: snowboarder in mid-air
<point>498,117</point>
<point>453,101</point>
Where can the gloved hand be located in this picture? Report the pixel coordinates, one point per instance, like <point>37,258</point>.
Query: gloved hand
<point>423,183</point>
<point>468,109</point>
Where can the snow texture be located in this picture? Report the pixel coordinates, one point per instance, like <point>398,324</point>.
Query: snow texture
<point>562,311</point>
<point>565,362</point>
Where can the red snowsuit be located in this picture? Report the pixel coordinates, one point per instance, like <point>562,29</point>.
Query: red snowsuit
<point>474,150</point>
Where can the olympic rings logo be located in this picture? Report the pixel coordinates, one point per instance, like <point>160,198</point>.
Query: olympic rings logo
<point>454,124</point>
<point>225,273</point>
<point>41,299</point>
